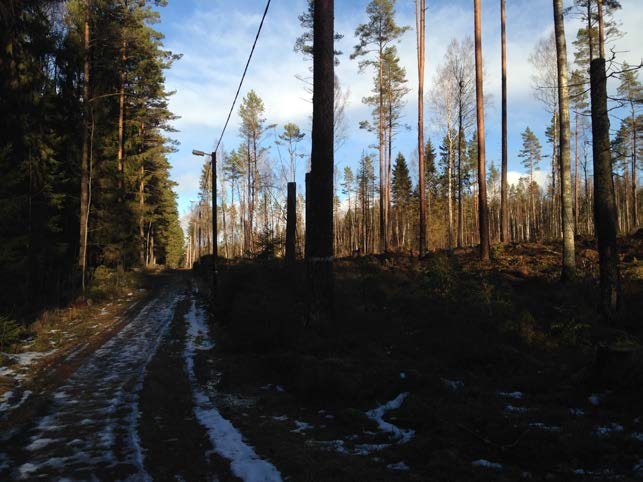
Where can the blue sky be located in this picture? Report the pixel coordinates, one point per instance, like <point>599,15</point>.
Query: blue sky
<point>215,37</point>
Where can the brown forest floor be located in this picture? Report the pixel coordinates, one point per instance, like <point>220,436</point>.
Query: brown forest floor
<point>460,338</point>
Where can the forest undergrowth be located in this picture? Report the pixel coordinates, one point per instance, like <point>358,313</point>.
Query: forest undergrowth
<point>502,367</point>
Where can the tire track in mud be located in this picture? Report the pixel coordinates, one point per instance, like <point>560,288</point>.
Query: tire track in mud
<point>90,430</point>
<point>175,444</point>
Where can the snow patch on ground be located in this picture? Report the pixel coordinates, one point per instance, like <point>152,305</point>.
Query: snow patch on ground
<point>637,436</point>
<point>377,414</point>
<point>595,399</point>
<point>486,464</point>
<point>514,409</point>
<point>544,427</point>
<point>453,385</point>
<point>39,443</point>
<point>398,466</point>
<point>514,395</point>
<point>301,426</point>
<point>6,405</point>
<point>605,430</point>
<point>225,438</point>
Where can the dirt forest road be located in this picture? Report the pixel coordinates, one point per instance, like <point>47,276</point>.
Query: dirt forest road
<point>136,410</point>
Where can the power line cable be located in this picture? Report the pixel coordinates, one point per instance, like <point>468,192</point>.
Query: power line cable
<point>243,76</point>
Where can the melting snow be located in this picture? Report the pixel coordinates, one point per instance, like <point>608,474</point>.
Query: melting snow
<point>545,427</point>
<point>377,414</point>
<point>100,400</point>
<point>486,464</point>
<point>514,395</point>
<point>398,466</point>
<point>39,443</point>
<point>225,438</point>
<point>576,412</point>
<point>6,405</point>
<point>301,426</point>
<point>514,409</point>
<point>595,399</point>
<point>605,430</point>
<point>453,385</point>
<point>637,436</point>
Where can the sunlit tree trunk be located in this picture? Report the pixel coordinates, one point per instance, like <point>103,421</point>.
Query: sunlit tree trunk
<point>420,12</point>
<point>569,260</point>
<point>483,214</point>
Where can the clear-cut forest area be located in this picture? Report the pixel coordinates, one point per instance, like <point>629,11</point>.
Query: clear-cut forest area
<point>366,275</point>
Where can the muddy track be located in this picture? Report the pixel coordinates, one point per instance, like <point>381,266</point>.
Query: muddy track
<point>172,439</point>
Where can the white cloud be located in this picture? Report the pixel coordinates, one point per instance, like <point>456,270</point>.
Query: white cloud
<point>541,177</point>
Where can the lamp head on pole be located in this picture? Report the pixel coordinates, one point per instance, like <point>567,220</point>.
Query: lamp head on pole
<point>198,153</point>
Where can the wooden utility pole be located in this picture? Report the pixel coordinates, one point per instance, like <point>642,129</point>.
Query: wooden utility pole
<point>420,12</point>
<point>504,211</point>
<point>320,257</point>
<point>604,203</point>
<point>84,164</point>
<point>569,261</point>
<point>482,173</point>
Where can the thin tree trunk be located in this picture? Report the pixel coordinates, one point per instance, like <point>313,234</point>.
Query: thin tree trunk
<point>569,261</point>
<point>121,114</point>
<point>504,215</point>
<point>420,11</point>
<point>450,189</point>
<point>601,30</point>
<point>84,167</point>
<point>635,210</point>
<point>460,239</point>
<point>383,245</point>
<point>141,199</point>
<point>482,177</point>
<point>576,175</point>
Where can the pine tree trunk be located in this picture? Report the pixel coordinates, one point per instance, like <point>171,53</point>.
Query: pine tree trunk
<point>483,214</point>
<point>383,246</point>
<point>635,210</point>
<point>84,164</point>
<point>569,261</point>
<point>604,203</point>
<point>576,176</point>
<point>121,115</point>
<point>141,199</point>
<point>504,215</point>
<point>420,12</point>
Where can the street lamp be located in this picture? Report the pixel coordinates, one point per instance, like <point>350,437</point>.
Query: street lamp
<point>215,249</point>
